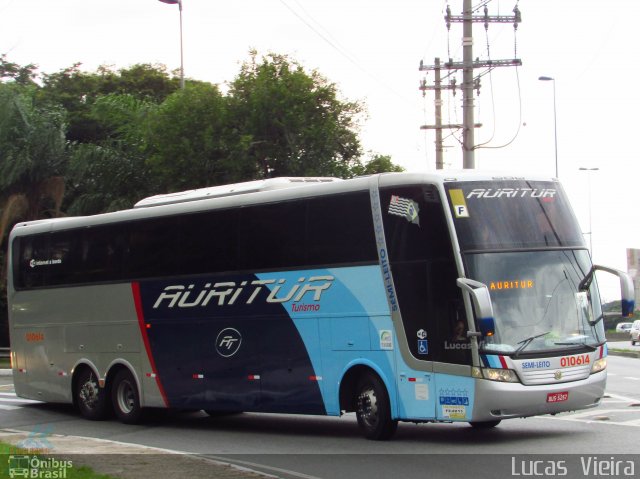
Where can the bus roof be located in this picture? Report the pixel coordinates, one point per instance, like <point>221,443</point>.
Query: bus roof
<point>256,192</point>
<point>230,190</point>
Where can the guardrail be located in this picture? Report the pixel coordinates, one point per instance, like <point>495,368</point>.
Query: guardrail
<point>4,352</point>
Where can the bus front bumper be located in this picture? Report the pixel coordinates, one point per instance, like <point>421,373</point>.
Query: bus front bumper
<point>501,400</point>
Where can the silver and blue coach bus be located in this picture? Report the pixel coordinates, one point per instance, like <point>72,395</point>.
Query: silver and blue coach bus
<point>403,297</point>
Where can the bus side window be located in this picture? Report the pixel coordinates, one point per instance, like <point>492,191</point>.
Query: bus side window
<point>28,252</point>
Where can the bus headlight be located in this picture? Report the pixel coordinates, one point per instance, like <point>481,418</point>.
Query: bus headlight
<point>502,375</point>
<point>599,365</point>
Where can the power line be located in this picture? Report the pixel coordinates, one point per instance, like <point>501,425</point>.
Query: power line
<point>341,50</point>
<point>469,81</point>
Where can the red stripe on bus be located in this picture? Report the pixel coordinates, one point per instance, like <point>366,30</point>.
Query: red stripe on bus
<point>503,362</point>
<point>137,299</point>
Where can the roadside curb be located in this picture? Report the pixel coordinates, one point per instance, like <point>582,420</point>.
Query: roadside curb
<point>626,354</point>
<point>125,460</point>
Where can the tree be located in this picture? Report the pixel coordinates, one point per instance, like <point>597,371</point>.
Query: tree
<point>32,160</point>
<point>112,174</point>
<point>378,164</point>
<point>22,75</point>
<point>192,143</point>
<point>293,121</point>
<point>77,91</point>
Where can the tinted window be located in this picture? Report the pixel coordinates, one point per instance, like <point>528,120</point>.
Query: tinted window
<point>512,215</point>
<point>209,242</point>
<point>154,247</point>
<point>272,236</point>
<point>31,255</point>
<point>296,234</point>
<point>340,230</point>
<point>102,253</point>
<point>414,223</point>
<point>424,270</point>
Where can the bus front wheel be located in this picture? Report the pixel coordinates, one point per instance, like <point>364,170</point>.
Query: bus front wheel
<point>373,408</point>
<point>90,398</point>
<point>125,398</point>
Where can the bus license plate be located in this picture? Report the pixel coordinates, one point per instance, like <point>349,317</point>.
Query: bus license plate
<point>558,397</point>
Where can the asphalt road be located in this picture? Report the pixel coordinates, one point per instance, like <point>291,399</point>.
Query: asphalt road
<point>323,447</point>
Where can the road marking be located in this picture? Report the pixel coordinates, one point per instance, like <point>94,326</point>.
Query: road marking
<point>8,408</point>
<point>623,398</point>
<point>13,397</point>
<point>11,402</point>
<point>257,466</point>
<point>19,401</point>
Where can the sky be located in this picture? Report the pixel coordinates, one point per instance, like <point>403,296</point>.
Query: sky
<point>371,49</point>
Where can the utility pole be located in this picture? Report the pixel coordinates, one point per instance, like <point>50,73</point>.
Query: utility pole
<point>469,83</point>
<point>438,127</point>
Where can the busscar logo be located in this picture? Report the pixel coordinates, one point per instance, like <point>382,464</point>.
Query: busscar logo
<point>228,342</point>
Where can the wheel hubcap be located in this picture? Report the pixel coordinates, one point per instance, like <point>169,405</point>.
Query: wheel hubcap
<point>89,393</point>
<point>126,397</point>
<point>368,407</point>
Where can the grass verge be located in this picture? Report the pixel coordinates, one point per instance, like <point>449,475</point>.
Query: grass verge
<point>16,462</point>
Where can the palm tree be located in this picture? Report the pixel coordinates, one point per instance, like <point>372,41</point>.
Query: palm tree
<point>32,157</point>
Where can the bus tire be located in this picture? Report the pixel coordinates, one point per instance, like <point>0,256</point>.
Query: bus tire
<point>126,398</point>
<point>484,424</point>
<point>89,397</point>
<point>373,408</point>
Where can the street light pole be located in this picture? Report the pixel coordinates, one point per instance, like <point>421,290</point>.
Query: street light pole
<point>179,3</point>
<point>589,170</point>
<point>555,117</point>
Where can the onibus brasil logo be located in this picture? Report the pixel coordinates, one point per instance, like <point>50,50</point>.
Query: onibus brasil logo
<point>30,466</point>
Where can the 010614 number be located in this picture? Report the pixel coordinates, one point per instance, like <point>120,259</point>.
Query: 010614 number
<point>568,361</point>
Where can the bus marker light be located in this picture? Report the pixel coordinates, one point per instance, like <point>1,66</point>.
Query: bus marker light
<point>253,377</point>
<point>151,375</point>
<point>315,378</point>
<point>198,376</point>
<point>148,325</point>
<point>62,373</point>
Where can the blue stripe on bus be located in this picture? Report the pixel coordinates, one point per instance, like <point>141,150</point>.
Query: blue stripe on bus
<point>491,361</point>
<point>194,322</point>
<point>347,318</point>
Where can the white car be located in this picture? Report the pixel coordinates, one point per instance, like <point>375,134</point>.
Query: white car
<point>623,327</point>
<point>635,332</point>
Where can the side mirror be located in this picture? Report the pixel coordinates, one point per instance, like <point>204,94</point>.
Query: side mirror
<point>627,291</point>
<point>481,299</point>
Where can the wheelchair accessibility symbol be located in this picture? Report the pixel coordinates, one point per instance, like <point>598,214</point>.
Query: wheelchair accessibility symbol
<point>423,346</point>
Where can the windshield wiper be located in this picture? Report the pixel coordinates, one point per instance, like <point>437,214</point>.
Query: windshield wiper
<point>526,342</point>
<point>579,345</point>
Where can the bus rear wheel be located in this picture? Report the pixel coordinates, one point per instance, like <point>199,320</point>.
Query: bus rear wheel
<point>126,398</point>
<point>373,408</point>
<point>90,398</point>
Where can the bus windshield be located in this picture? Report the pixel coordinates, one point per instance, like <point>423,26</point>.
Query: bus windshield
<point>522,240</point>
<point>537,304</point>
<point>513,215</point>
